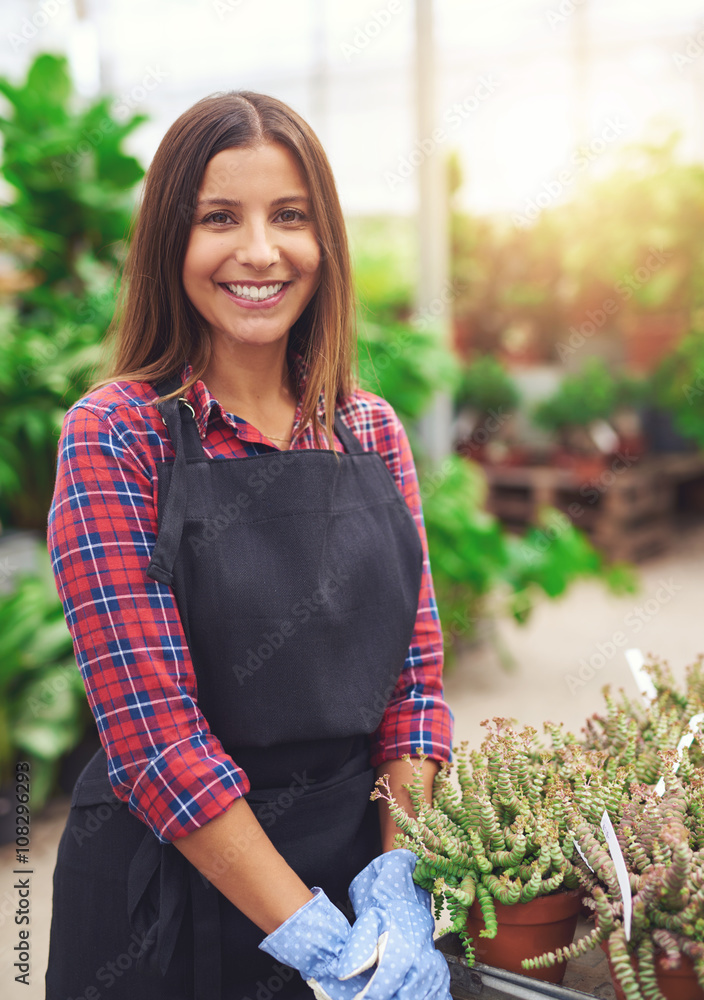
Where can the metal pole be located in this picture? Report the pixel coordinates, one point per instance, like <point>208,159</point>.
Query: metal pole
<point>434,291</point>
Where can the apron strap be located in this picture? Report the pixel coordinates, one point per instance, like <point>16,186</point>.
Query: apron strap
<point>353,445</point>
<point>177,414</point>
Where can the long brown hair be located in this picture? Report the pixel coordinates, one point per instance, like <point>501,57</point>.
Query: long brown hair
<point>156,328</point>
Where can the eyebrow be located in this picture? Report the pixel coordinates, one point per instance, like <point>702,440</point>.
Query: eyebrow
<point>234,203</point>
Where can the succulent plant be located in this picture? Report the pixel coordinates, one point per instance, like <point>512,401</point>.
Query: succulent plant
<point>662,840</point>
<point>501,835</point>
<point>630,731</point>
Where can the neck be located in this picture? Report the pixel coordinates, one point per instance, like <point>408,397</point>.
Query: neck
<point>255,385</point>
<point>256,378</point>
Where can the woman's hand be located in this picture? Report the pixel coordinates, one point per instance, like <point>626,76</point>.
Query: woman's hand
<point>388,954</point>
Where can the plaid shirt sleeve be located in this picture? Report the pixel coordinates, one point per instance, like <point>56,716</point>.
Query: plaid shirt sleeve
<point>128,639</point>
<point>417,715</point>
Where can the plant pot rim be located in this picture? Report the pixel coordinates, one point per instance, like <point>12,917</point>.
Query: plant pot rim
<point>555,906</point>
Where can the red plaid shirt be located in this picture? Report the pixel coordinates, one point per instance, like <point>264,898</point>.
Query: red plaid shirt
<point>127,634</point>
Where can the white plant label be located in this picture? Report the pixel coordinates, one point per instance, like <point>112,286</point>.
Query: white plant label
<point>607,828</point>
<point>644,683</point>
<point>694,726</point>
<point>583,856</point>
<point>695,723</point>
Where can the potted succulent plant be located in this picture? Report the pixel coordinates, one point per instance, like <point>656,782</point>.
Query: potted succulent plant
<point>651,782</point>
<point>631,731</point>
<point>661,954</point>
<point>497,849</point>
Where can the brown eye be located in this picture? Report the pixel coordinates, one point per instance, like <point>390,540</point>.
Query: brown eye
<point>291,215</point>
<point>218,218</point>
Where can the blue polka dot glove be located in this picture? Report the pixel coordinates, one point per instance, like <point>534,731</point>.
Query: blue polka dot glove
<point>394,926</point>
<point>311,941</point>
<point>388,954</point>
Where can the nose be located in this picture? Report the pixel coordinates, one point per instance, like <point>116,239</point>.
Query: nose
<point>256,245</point>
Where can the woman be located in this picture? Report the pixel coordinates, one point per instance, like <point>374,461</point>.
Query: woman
<point>243,568</point>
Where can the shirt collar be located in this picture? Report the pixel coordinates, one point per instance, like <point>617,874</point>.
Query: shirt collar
<point>206,405</point>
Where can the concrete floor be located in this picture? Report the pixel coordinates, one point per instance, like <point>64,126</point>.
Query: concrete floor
<point>587,629</point>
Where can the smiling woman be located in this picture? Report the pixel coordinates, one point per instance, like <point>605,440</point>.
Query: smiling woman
<point>251,267</point>
<point>238,542</point>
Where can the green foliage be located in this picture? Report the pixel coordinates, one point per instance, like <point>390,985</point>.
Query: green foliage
<point>486,385</point>
<point>69,173</point>
<point>678,386</point>
<point>66,225</point>
<point>43,708</point>
<point>404,365</point>
<point>580,399</point>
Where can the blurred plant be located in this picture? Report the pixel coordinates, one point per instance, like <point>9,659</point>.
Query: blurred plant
<point>43,707</point>
<point>69,216</point>
<point>486,385</point>
<point>580,399</point>
<point>405,365</point>
<point>678,386</point>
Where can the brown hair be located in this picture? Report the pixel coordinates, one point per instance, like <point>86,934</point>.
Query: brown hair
<point>156,328</point>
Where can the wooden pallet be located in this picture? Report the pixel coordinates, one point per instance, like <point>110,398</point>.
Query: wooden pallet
<point>627,509</point>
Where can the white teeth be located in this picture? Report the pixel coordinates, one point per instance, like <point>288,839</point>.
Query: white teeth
<point>255,293</point>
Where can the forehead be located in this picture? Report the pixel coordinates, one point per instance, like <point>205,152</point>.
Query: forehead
<point>269,171</point>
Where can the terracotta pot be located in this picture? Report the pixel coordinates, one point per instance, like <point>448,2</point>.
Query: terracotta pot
<point>527,930</point>
<point>674,984</point>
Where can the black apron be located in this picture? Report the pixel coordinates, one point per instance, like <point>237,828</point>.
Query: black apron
<point>297,576</point>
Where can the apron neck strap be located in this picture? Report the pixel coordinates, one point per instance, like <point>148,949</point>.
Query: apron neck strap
<point>178,415</point>
<point>353,445</point>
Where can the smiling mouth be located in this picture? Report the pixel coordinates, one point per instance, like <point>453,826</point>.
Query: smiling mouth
<point>255,293</point>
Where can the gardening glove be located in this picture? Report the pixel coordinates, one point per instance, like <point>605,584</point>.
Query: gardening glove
<point>394,931</point>
<point>311,941</point>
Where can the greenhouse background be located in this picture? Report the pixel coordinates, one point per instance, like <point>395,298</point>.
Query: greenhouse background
<point>523,183</point>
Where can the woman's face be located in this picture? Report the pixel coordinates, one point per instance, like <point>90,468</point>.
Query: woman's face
<point>253,259</point>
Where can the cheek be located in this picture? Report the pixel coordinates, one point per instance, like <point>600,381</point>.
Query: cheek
<point>310,259</point>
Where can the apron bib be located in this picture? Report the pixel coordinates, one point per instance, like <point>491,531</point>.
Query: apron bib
<point>296,576</point>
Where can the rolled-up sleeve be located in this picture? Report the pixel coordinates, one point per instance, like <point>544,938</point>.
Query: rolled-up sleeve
<point>417,715</point>
<point>127,633</point>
